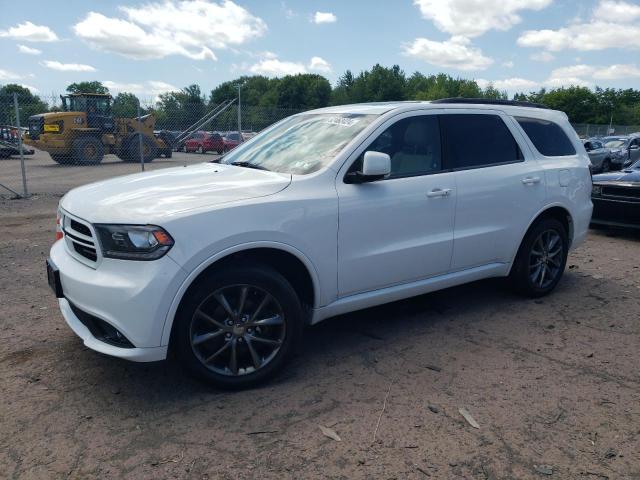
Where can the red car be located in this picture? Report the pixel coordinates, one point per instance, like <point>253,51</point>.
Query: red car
<point>231,141</point>
<point>203,142</point>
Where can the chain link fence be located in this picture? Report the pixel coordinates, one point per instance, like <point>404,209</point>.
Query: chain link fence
<point>76,140</point>
<point>84,138</point>
<point>586,130</point>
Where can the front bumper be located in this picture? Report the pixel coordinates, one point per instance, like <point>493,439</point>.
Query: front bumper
<point>616,212</point>
<point>133,297</point>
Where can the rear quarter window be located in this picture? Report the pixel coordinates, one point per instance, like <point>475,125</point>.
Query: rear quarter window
<point>548,137</point>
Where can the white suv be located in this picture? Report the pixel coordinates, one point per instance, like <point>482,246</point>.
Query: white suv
<point>325,212</point>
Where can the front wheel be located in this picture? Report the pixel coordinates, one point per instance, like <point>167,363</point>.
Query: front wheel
<point>238,326</point>
<point>541,258</point>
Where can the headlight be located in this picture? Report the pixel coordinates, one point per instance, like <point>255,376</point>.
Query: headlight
<point>133,242</point>
<point>596,190</point>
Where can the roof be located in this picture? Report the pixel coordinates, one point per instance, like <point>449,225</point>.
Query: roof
<point>88,95</point>
<point>509,107</point>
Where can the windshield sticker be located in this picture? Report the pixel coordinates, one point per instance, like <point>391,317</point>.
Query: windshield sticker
<point>342,121</point>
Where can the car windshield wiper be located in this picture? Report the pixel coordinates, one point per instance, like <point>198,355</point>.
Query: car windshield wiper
<point>248,165</point>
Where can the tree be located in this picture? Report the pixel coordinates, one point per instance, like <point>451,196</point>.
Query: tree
<point>126,105</point>
<point>28,104</point>
<point>87,87</point>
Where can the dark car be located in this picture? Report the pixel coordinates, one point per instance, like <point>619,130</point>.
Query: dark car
<point>203,142</point>
<point>625,150</point>
<point>9,142</point>
<point>616,198</point>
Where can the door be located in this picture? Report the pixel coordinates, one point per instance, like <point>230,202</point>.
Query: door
<point>498,191</point>
<point>399,229</point>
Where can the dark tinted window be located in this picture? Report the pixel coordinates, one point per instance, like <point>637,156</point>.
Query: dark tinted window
<point>476,140</point>
<point>548,138</point>
<point>412,143</point>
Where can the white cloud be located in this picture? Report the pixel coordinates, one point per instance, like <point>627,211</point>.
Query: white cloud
<point>456,52</point>
<point>320,65</point>
<point>30,32</point>
<point>508,64</point>
<point>7,75</point>
<point>149,88</point>
<point>615,72</point>
<point>617,12</point>
<point>192,28</point>
<point>272,67</point>
<point>68,67</point>
<point>32,89</point>
<point>472,18</point>
<point>610,26</point>
<point>584,75</point>
<point>542,57</point>
<point>324,17</point>
<point>509,84</point>
<point>28,50</point>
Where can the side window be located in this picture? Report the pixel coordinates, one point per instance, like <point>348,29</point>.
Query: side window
<point>477,140</point>
<point>413,144</point>
<point>548,137</point>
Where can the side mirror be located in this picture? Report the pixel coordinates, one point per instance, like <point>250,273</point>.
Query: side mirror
<point>375,166</point>
<point>634,147</point>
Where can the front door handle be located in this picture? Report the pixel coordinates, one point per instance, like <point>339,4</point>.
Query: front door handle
<point>531,180</point>
<point>439,192</point>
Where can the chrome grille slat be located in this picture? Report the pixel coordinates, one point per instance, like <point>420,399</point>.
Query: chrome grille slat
<point>80,241</point>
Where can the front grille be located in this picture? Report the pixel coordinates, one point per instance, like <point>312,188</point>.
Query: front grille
<point>621,191</point>
<point>80,240</point>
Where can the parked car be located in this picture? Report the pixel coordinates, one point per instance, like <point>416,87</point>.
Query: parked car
<point>625,150</point>
<point>599,155</point>
<point>248,135</point>
<point>9,142</point>
<point>616,198</point>
<point>323,213</point>
<point>231,141</point>
<point>203,142</point>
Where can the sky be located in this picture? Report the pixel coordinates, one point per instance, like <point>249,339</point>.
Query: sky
<point>155,46</point>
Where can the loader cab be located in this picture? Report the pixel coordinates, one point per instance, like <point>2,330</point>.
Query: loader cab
<point>97,108</point>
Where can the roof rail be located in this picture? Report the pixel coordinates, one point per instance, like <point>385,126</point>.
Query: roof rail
<point>489,101</point>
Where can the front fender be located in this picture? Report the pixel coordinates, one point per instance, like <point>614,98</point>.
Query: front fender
<point>193,274</point>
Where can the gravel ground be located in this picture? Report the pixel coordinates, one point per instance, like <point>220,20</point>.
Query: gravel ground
<point>554,383</point>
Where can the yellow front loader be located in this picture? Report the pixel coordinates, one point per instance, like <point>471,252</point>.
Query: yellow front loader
<point>85,131</point>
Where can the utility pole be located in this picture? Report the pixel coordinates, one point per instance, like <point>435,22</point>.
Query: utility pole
<point>239,114</point>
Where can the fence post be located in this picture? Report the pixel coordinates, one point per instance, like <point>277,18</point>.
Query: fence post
<point>239,115</point>
<point>24,175</point>
<point>140,138</point>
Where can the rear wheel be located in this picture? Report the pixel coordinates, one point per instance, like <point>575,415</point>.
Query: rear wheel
<point>87,151</point>
<point>200,149</point>
<point>541,258</point>
<point>238,326</point>
<point>131,149</point>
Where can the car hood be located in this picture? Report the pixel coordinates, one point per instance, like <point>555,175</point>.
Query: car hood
<point>625,176</point>
<point>146,198</point>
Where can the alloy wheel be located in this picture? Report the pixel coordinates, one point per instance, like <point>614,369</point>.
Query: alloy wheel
<point>237,330</point>
<point>545,259</point>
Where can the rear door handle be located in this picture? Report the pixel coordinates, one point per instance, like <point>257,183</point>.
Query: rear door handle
<point>531,180</point>
<point>439,192</point>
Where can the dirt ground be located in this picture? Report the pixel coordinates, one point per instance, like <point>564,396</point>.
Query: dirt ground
<point>554,383</point>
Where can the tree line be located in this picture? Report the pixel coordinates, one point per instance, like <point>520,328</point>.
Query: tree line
<point>264,98</point>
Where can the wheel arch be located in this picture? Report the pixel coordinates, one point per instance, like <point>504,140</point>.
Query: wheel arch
<point>556,211</point>
<point>287,260</point>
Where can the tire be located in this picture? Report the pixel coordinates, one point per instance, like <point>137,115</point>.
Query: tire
<point>131,148</point>
<point>87,151</point>
<point>219,152</point>
<point>200,149</point>
<point>536,281</point>
<point>168,153</point>
<point>61,158</point>
<point>210,357</point>
<point>606,165</point>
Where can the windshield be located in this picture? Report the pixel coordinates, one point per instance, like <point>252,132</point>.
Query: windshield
<point>617,143</point>
<point>301,144</point>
